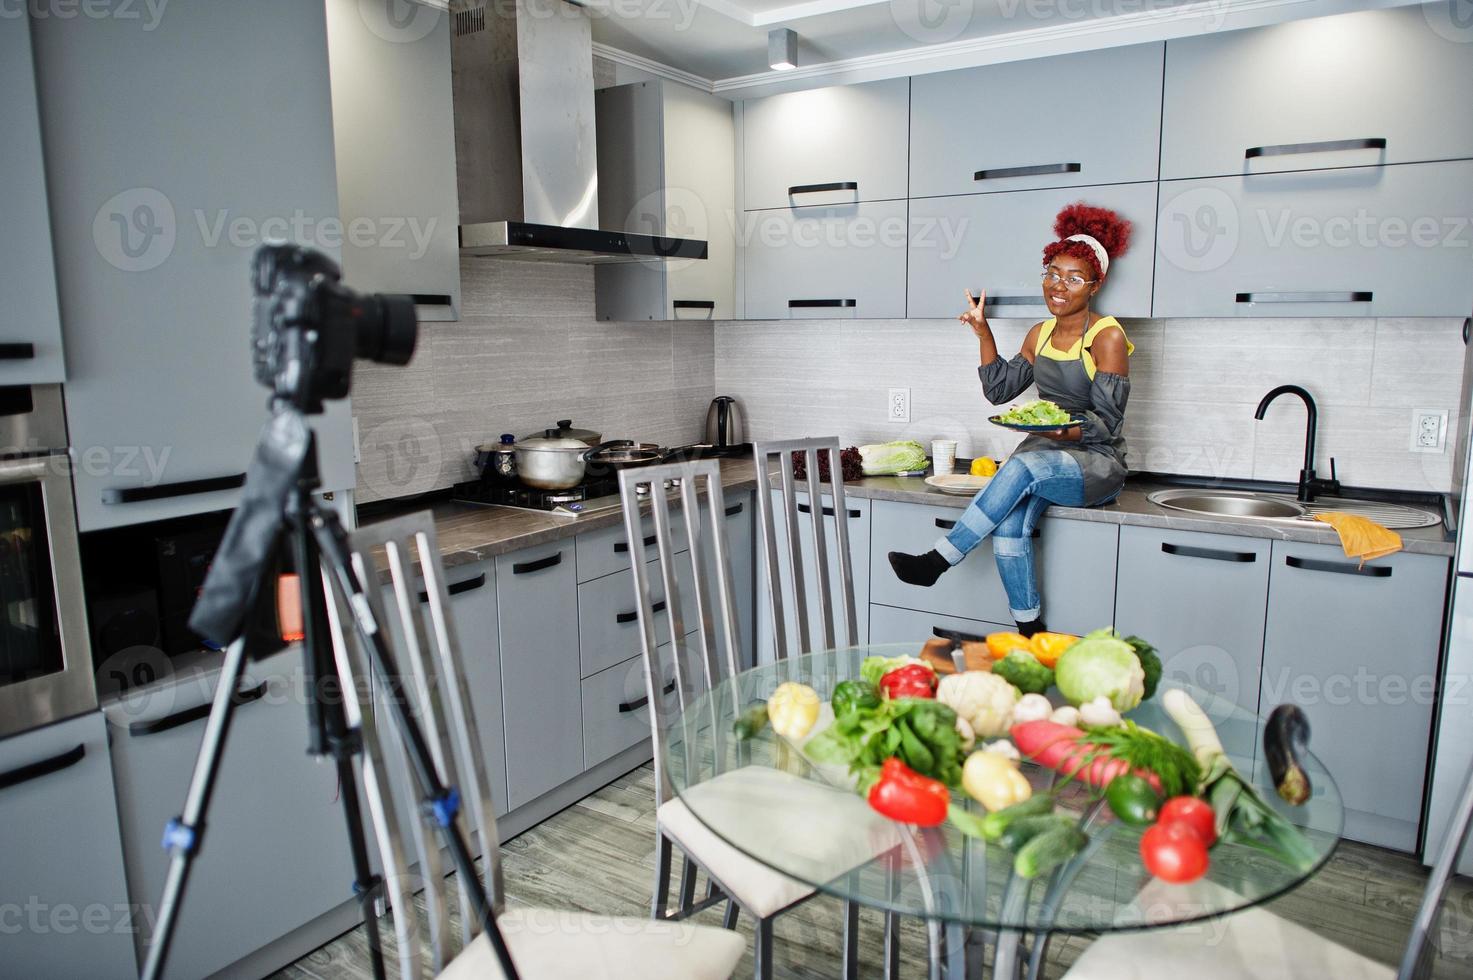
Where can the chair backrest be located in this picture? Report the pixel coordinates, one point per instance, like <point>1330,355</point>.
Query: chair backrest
<point>1417,959</point>
<point>708,557</point>
<point>399,563</point>
<point>789,512</point>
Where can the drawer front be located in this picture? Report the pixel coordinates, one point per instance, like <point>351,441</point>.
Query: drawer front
<point>971,242</point>
<point>890,625</point>
<point>615,707</point>
<point>608,628</point>
<point>990,129</point>
<point>606,550</point>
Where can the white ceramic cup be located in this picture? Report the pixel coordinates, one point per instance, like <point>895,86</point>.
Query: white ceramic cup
<point>943,456</point>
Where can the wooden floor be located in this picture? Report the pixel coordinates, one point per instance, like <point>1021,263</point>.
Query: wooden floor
<point>598,855</point>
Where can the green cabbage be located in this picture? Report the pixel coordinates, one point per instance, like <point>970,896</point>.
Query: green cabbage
<point>892,457</point>
<point>1101,665</point>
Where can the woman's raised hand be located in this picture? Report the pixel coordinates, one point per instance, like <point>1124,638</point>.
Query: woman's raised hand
<point>975,317</point>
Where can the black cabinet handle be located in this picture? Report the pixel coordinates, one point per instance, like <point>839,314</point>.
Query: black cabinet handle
<point>827,511</point>
<point>1323,146</point>
<point>693,304</point>
<point>630,617</point>
<point>794,304</point>
<point>1014,301</point>
<point>956,636</point>
<point>945,525</point>
<point>1035,171</point>
<point>627,706</point>
<point>17,352</point>
<point>523,568</point>
<point>192,714</point>
<point>621,547</point>
<point>1467,326</point>
<point>1339,567</point>
<point>160,491</point>
<point>838,185</point>
<point>1188,551</point>
<point>43,768</point>
<point>430,299</point>
<point>469,585</point>
<point>1306,296</point>
<point>733,510</point>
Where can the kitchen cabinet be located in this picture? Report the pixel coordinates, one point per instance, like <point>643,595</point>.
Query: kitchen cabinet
<point>858,515</point>
<point>153,249</point>
<point>61,871</point>
<point>30,334</point>
<point>606,551</point>
<point>1356,647</point>
<point>1352,90</point>
<point>1453,749</point>
<point>740,544</point>
<point>537,603</point>
<point>1074,562</point>
<point>275,855</point>
<point>616,714</point>
<point>956,241</point>
<point>608,624</point>
<point>395,147</point>
<point>834,145</point>
<point>1016,125</point>
<point>666,167</point>
<point>1361,241</point>
<point>841,262</point>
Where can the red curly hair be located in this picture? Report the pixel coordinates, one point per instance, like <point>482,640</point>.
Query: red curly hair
<point>1102,224</point>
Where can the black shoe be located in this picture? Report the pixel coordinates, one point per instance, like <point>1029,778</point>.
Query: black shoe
<point>922,570</point>
<point>1032,626</point>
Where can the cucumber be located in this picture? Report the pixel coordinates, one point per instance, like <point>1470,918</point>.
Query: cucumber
<point>1020,832</point>
<point>1035,806</point>
<point>750,722</point>
<point>1048,850</point>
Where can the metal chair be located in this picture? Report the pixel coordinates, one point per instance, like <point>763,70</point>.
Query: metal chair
<point>542,943</point>
<point>746,884</point>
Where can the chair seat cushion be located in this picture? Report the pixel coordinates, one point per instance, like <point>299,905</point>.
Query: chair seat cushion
<point>557,944</point>
<point>818,830</point>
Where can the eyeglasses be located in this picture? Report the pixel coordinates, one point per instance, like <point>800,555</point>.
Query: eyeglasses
<point>1073,282</point>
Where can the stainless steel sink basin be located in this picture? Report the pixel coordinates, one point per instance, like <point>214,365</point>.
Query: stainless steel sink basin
<point>1223,504</point>
<point>1274,509</point>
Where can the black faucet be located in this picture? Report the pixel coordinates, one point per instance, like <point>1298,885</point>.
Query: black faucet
<point>1308,484</point>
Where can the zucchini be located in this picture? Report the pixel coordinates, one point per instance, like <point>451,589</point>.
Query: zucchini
<point>994,824</point>
<point>1285,736</point>
<point>1021,832</point>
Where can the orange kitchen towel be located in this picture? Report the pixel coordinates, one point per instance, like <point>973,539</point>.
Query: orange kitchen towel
<point>1360,537</point>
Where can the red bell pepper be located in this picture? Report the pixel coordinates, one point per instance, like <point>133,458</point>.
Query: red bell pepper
<point>905,795</point>
<point>910,681</point>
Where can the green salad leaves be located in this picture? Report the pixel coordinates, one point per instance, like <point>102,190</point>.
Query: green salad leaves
<point>1040,412</point>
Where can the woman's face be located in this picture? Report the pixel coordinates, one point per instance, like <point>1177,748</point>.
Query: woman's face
<point>1062,298</point>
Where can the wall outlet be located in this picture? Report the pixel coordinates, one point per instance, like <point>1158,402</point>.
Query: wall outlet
<point>898,405</point>
<point>1429,430</point>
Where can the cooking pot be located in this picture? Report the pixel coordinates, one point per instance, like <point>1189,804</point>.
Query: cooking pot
<point>551,464</point>
<point>621,454</point>
<point>565,430</point>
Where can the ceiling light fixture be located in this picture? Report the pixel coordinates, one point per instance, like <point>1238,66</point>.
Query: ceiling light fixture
<point>782,49</point>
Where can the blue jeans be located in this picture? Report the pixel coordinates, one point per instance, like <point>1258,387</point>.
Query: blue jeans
<point>1008,508</point>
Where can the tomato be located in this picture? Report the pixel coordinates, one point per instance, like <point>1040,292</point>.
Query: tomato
<point>1193,812</point>
<point>1173,852</point>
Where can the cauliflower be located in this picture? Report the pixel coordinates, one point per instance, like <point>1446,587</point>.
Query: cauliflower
<point>1005,748</point>
<point>1022,670</point>
<point>1099,713</point>
<point>1032,707</point>
<point>964,731</point>
<point>1067,715</point>
<point>985,700</point>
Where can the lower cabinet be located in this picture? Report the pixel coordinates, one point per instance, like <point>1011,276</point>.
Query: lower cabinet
<point>858,517</point>
<point>616,713</point>
<point>275,855</point>
<point>608,624</point>
<point>473,605</point>
<point>740,545</point>
<point>62,887</point>
<point>1356,647</point>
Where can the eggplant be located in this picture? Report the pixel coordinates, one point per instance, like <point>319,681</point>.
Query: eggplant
<point>1285,736</point>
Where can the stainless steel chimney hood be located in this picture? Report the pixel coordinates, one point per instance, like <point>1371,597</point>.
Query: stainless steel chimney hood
<point>525,148</point>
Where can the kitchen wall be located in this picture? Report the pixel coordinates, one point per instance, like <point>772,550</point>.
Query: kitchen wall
<point>526,352</point>
<point>1195,384</point>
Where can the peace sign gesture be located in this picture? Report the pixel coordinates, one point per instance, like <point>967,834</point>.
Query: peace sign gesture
<point>976,317</point>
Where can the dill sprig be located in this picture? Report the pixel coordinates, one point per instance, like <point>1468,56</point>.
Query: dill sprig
<point>1142,748</point>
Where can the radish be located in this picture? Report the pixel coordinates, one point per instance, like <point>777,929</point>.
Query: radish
<point>1059,748</point>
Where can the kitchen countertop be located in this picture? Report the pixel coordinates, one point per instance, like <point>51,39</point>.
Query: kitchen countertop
<point>469,533</point>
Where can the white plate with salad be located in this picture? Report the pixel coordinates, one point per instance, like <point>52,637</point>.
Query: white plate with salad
<point>1036,416</point>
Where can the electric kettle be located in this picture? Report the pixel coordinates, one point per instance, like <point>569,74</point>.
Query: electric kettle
<point>724,423</point>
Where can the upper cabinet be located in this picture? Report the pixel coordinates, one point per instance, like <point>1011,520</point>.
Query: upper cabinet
<point>30,324</point>
<point>1016,125</point>
<point>666,164</point>
<point>395,142</point>
<point>827,263</point>
<point>826,146</point>
<point>1352,90</point>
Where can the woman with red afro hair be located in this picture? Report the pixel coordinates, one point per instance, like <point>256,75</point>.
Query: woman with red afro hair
<point>1078,359</point>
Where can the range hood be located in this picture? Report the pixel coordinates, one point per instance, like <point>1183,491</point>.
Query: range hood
<point>525,149</point>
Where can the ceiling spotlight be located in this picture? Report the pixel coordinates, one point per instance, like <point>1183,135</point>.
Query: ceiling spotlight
<point>782,49</point>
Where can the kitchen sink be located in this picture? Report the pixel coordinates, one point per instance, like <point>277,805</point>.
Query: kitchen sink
<point>1275,509</point>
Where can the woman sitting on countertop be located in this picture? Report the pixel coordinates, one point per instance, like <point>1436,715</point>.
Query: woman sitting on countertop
<point>1079,360</point>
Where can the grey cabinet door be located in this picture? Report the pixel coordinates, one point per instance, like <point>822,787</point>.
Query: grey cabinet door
<point>859,550</point>
<point>537,602</point>
<point>473,604</point>
<point>153,248</point>
<point>1381,75</point>
<point>846,134</point>
<point>608,627</point>
<point>1357,650</point>
<point>842,262</point>
<point>606,550</point>
<point>62,856</point>
<point>28,288</point>
<point>1199,599</point>
<point>275,855</point>
<point>398,194</point>
<point>994,242</point>
<point>890,625</point>
<point>997,128</point>
<point>616,712</point>
<point>741,544</point>
<point>1363,241</point>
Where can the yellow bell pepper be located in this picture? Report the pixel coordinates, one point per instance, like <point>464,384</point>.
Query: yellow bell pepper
<point>994,780</point>
<point>984,466</point>
<point>999,645</point>
<point>1047,647</point>
<point>792,709</point>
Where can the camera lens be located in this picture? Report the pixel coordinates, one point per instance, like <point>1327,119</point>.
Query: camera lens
<point>388,338</point>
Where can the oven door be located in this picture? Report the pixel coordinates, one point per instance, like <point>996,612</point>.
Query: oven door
<point>45,664</point>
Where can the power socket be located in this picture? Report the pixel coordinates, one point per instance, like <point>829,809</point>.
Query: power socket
<point>897,406</point>
<point>1429,430</point>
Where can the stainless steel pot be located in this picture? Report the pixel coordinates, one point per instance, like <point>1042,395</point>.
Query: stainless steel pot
<point>565,430</point>
<point>551,464</point>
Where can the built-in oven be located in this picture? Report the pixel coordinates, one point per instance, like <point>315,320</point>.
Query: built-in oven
<point>45,661</point>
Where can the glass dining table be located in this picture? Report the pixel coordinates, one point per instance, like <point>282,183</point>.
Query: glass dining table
<point>803,818</point>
